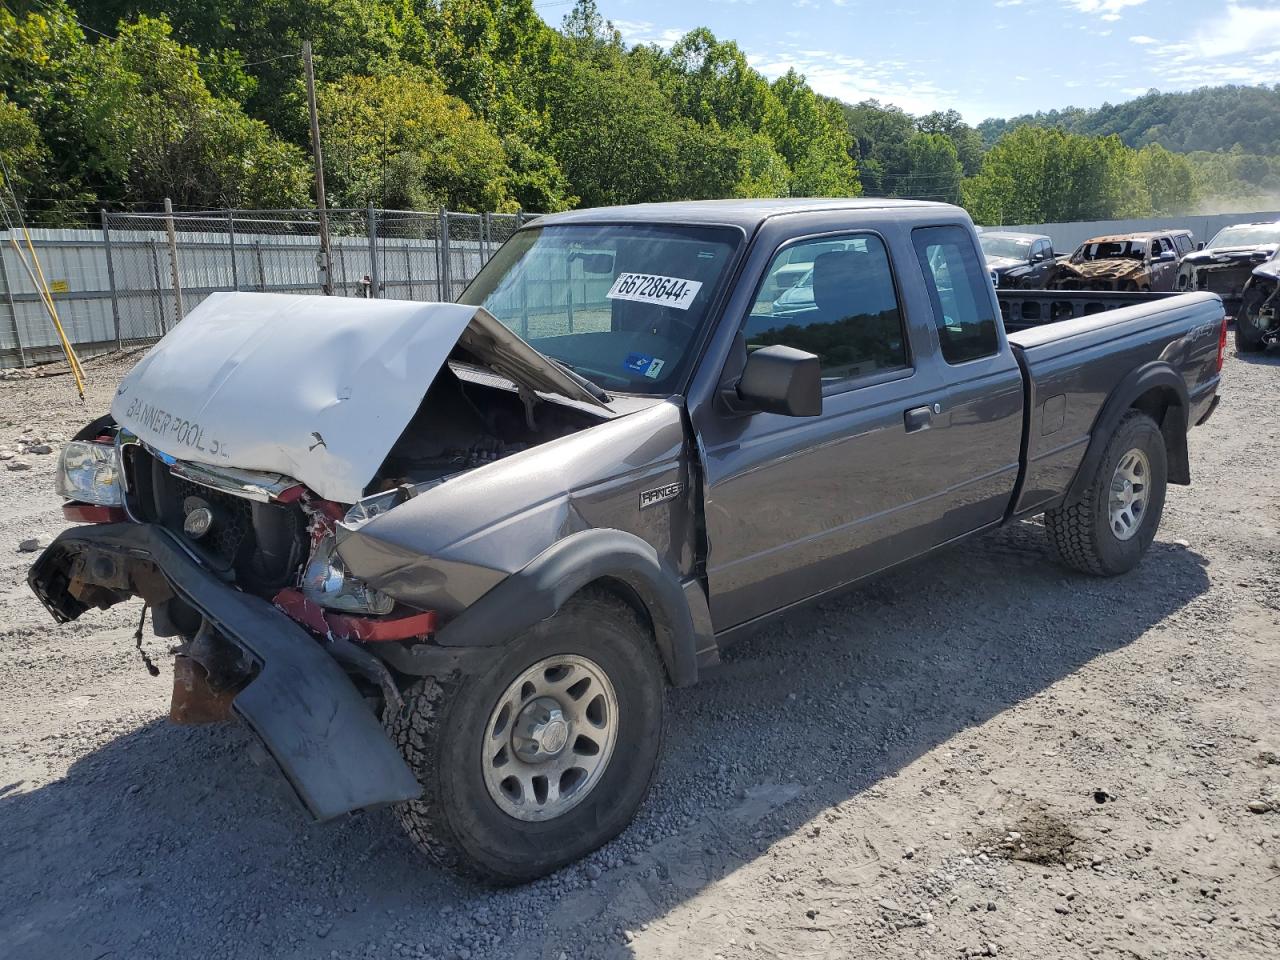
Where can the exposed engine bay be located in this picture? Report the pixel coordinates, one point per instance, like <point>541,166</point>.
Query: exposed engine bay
<point>470,417</point>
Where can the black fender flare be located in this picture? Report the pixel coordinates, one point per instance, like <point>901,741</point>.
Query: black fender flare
<point>542,586</point>
<point>1156,375</point>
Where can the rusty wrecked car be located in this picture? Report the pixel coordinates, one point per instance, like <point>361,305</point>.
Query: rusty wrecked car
<point>1131,261</point>
<point>449,556</point>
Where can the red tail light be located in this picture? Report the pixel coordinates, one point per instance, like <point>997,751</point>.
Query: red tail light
<point>1222,344</point>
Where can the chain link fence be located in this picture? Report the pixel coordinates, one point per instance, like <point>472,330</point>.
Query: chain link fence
<point>130,281</point>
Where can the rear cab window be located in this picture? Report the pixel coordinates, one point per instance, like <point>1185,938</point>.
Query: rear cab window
<point>834,297</point>
<point>957,285</point>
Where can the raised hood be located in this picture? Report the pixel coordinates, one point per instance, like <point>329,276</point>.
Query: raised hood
<point>315,388</point>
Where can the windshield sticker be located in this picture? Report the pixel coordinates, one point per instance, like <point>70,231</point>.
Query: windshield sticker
<point>651,288</point>
<point>651,367</point>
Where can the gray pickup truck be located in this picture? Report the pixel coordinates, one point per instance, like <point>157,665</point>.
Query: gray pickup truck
<point>448,556</point>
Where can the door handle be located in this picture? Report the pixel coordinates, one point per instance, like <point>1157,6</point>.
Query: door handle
<point>918,418</point>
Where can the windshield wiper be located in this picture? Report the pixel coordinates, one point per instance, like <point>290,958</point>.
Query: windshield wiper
<point>591,388</point>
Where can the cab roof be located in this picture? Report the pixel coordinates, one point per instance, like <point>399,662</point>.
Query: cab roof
<point>747,214</point>
<point>1138,235</point>
<point>1013,235</point>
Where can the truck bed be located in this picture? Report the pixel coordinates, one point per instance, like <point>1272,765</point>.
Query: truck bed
<point>1072,363</point>
<point>1026,309</point>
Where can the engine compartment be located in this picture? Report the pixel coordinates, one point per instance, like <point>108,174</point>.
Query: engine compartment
<point>470,417</point>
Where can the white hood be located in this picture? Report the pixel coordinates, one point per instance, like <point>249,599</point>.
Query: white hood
<point>315,388</point>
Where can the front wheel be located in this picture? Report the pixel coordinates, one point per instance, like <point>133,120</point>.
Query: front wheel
<point>1109,529</point>
<point>544,756</point>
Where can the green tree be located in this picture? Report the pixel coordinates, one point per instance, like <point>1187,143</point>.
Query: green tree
<point>811,135</point>
<point>935,167</point>
<point>613,132</point>
<point>24,153</point>
<point>880,136</point>
<point>717,85</point>
<point>1168,180</point>
<point>966,140</point>
<point>400,141</point>
<point>1039,175</point>
<point>155,126</point>
<point>131,118</point>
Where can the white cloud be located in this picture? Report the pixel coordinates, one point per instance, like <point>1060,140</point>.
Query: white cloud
<point>1241,29</point>
<point>1240,44</point>
<point>1144,40</point>
<point>1108,9</point>
<point>853,79</point>
<point>642,31</point>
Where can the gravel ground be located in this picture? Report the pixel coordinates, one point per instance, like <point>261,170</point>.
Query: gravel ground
<point>982,755</point>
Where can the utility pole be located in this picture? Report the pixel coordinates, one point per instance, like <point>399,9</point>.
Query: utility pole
<point>325,260</point>
<point>178,310</point>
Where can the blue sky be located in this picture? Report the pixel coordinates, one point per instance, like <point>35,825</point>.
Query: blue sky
<point>984,57</point>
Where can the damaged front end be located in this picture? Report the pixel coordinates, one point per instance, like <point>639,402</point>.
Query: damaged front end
<point>215,489</point>
<point>1258,320</point>
<point>1222,272</point>
<point>1115,274</point>
<point>287,687</point>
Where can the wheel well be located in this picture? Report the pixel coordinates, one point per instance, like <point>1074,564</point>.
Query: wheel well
<point>624,593</point>
<point>1164,406</point>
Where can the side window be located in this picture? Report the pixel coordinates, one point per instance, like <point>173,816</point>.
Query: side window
<point>1041,250</point>
<point>1183,243</point>
<point>841,306</point>
<point>957,287</point>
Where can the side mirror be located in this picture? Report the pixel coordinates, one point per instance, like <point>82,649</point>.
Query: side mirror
<point>781,380</point>
<point>1166,256</point>
<point>1200,245</point>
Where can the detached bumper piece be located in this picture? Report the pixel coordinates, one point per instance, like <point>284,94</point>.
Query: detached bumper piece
<point>311,718</point>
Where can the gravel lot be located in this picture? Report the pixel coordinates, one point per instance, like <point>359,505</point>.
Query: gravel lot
<point>983,754</point>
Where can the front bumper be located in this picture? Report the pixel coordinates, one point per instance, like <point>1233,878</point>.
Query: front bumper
<point>311,718</point>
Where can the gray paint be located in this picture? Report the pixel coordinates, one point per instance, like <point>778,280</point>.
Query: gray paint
<point>792,507</point>
<point>772,511</point>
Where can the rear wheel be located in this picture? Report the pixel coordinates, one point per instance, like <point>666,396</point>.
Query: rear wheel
<point>1109,529</point>
<point>543,757</point>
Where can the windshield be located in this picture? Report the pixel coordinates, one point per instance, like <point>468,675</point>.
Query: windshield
<point>620,304</point>
<point>1011,247</point>
<point>1249,235</point>
<point>1112,250</point>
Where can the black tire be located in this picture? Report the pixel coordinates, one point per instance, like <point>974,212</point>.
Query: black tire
<point>441,728</point>
<point>1248,338</point>
<point>1081,533</point>
<point>1247,341</point>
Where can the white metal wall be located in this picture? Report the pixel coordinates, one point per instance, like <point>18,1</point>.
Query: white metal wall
<point>75,265</point>
<point>1068,236</point>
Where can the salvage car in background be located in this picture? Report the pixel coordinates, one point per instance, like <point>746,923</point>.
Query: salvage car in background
<point>1258,319</point>
<point>448,556</point>
<point>1224,265</point>
<point>1022,261</point>
<point>1130,261</point>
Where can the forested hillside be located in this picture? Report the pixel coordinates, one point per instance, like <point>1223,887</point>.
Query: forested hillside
<point>480,105</point>
<point>1208,119</point>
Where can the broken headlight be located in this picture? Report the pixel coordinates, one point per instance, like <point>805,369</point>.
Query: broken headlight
<point>326,582</point>
<point>90,473</point>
